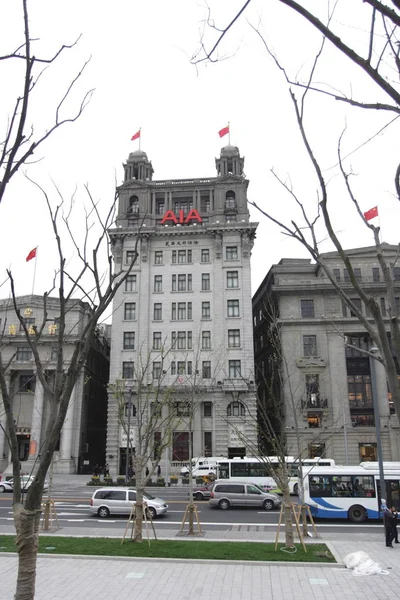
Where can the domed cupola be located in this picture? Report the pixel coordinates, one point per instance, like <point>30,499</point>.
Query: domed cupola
<point>230,162</point>
<point>138,167</point>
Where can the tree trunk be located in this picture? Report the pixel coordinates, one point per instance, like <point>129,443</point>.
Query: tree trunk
<point>27,541</point>
<point>287,518</point>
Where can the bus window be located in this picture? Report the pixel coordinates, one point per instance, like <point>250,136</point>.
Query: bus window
<point>320,486</point>
<point>239,469</point>
<point>364,486</point>
<point>342,486</point>
<point>223,470</point>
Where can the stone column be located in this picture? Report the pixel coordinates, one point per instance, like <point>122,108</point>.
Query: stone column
<point>68,427</point>
<point>4,448</point>
<point>37,418</point>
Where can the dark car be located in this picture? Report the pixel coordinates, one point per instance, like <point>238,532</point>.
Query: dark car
<point>202,492</point>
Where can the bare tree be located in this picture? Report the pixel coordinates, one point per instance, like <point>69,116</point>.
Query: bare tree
<point>96,287</point>
<point>20,140</point>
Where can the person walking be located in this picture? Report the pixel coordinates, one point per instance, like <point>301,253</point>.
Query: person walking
<point>394,524</point>
<point>147,471</point>
<point>158,471</point>
<point>388,521</point>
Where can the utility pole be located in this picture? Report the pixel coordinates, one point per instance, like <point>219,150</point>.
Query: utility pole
<point>375,404</point>
<point>129,404</point>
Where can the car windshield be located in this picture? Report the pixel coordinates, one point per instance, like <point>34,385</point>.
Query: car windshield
<point>148,496</point>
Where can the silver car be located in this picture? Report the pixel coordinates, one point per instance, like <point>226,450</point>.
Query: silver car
<point>119,501</point>
<point>227,493</point>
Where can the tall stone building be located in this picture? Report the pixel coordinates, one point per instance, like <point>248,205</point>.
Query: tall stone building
<point>330,391</point>
<point>82,440</point>
<point>189,296</point>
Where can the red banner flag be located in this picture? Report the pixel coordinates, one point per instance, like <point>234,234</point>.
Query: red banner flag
<point>32,254</point>
<point>223,131</point>
<point>135,136</point>
<point>371,213</point>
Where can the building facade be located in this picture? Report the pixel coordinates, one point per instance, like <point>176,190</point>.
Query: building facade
<point>83,437</point>
<point>184,313</point>
<point>326,388</point>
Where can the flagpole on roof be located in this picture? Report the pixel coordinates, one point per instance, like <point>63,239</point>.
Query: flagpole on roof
<point>229,132</point>
<point>140,136</point>
<point>34,269</point>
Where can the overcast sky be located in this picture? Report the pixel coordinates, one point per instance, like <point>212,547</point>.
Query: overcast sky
<point>141,71</point>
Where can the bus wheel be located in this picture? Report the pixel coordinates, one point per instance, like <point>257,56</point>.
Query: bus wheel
<point>357,514</point>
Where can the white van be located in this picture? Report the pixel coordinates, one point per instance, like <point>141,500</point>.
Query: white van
<point>202,465</point>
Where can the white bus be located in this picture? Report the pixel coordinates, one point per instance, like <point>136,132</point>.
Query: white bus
<point>260,470</point>
<point>353,493</point>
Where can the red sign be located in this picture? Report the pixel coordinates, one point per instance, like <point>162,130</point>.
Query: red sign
<point>182,220</point>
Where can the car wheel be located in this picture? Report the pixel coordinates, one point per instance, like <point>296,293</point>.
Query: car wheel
<point>268,505</point>
<point>103,512</point>
<point>151,512</point>
<point>224,504</point>
<point>198,496</point>
<point>2,489</point>
<point>357,514</point>
<point>296,490</point>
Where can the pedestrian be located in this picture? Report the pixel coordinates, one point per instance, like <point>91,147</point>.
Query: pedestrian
<point>158,471</point>
<point>388,520</point>
<point>395,532</point>
<point>96,470</point>
<point>147,471</point>
<point>107,470</point>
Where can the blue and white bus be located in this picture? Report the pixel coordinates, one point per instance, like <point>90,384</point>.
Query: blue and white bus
<point>343,492</point>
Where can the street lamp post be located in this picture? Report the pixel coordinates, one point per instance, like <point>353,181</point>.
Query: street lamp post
<point>377,419</point>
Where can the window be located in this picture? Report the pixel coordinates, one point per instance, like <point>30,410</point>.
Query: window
<point>383,307</point>
<point>24,353</point>
<point>206,340</point>
<point>233,338</point>
<point>129,340</point>
<point>158,257</point>
<point>180,445</point>
<point>307,308</point>
<point>233,308</point>
<point>128,370</point>
<point>157,311</point>
<point>184,283</point>
<point>173,368</point>
<point>314,421</point>
<point>360,392</point>
<point>186,204</point>
<point>206,369</point>
<point>130,257</point>
<point>130,311</point>
<point>181,256</point>
<point>230,200</point>
<point>312,390</point>
<point>231,253</point>
<point>156,370</point>
<point>357,304</point>
<point>315,450</point>
<point>376,274</point>
<point>157,446</point>
<point>130,283</point>
<point>309,345</point>
<point>205,282</point>
<point>205,203</point>
<point>205,310</point>
<point>160,206</point>
<point>336,274</point>
<point>362,420</point>
<point>181,340</point>
<point>181,311</point>
<point>235,409</point>
<point>205,255</point>
<point>181,367</point>
<point>157,340</point>
<point>208,443</point>
<point>207,409</point>
<point>133,208</point>
<point>182,409</point>
<point>232,279</point>
<point>26,383</point>
<point>396,273</point>
<point>130,408</point>
<point>357,274</point>
<point>158,283</point>
<point>368,452</point>
<point>234,369</point>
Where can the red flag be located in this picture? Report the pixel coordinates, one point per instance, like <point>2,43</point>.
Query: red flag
<point>32,254</point>
<point>223,131</point>
<point>371,213</point>
<point>135,136</point>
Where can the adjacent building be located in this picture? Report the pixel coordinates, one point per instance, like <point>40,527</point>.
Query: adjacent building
<point>184,312</point>
<point>326,387</point>
<point>83,437</point>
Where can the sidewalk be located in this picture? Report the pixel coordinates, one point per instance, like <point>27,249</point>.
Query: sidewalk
<point>78,578</point>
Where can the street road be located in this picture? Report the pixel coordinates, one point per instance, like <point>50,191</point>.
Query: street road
<point>72,507</point>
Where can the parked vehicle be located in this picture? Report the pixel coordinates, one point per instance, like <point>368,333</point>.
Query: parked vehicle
<point>225,494</point>
<point>200,462</point>
<point>119,501</point>
<point>26,482</point>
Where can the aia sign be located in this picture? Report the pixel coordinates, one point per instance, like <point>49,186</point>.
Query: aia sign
<point>193,215</point>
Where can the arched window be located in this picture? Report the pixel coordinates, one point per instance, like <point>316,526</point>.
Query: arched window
<point>133,207</point>
<point>230,200</point>
<point>133,409</point>
<point>235,409</point>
